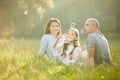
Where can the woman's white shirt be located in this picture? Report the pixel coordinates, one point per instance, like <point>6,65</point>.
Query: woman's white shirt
<point>59,47</point>
<point>46,44</point>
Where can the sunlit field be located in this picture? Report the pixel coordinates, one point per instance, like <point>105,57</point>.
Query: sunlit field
<point>19,60</point>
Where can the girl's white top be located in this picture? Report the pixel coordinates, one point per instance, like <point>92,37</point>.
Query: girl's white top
<point>76,55</point>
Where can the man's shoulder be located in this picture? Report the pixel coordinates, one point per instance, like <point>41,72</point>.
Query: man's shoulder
<point>92,35</point>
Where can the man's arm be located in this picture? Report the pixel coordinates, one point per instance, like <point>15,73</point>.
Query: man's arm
<point>90,49</point>
<point>90,59</point>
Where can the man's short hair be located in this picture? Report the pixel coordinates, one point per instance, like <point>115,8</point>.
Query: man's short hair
<point>93,20</point>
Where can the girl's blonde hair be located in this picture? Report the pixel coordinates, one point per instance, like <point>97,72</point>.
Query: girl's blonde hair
<point>75,42</point>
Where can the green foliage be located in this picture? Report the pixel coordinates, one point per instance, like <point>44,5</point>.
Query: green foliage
<point>21,18</point>
<point>27,18</point>
<point>19,60</point>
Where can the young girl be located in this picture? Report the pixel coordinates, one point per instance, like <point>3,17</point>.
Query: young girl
<point>70,48</point>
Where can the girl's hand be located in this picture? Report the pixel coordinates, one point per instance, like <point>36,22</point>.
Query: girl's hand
<point>84,47</point>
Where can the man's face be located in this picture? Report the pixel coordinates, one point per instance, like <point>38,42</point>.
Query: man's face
<point>88,27</point>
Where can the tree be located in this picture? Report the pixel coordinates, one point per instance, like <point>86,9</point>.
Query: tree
<point>17,17</point>
<point>110,8</point>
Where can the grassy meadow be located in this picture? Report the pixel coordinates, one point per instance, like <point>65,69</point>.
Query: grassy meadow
<point>19,60</point>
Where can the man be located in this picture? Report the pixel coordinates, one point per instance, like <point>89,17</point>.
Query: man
<point>97,44</point>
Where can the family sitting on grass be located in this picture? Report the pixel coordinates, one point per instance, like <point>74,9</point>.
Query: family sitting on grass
<point>66,47</point>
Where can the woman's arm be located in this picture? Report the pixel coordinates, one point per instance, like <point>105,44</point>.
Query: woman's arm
<point>58,44</point>
<point>56,41</point>
<point>43,45</point>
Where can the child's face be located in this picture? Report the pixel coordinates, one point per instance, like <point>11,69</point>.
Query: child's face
<point>72,35</point>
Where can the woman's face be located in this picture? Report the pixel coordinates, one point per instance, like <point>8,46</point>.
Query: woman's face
<point>72,35</point>
<point>54,28</point>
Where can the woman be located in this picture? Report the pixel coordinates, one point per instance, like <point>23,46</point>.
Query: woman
<point>52,30</point>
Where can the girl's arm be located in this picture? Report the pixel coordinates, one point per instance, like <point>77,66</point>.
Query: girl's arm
<point>84,47</point>
<point>76,55</point>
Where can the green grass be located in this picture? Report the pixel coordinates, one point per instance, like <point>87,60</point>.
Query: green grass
<point>19,60</point>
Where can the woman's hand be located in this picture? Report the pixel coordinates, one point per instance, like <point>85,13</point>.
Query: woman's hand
<point>60,36</point>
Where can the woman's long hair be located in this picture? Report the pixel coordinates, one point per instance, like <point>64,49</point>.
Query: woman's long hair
<point>51,20</point>
<point>75,44</point>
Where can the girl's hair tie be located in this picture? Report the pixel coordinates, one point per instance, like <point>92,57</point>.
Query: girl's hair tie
<point>73,25</point>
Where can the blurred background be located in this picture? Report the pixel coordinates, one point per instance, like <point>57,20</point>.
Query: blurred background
<point>27,18</point>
